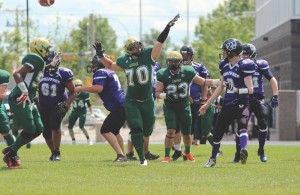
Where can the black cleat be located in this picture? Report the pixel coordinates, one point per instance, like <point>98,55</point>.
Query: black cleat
<point>130,156</point>
<point>177,154</point>
<point>243,156</point>
<point>150,156</point>
<point>121,158</point>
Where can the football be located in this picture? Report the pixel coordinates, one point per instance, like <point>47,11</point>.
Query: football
<point>46,3</point>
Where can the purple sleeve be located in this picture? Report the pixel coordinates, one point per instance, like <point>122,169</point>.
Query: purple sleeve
<point>99,78</point>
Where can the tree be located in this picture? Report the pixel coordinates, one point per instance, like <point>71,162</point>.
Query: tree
<point>227,21</point>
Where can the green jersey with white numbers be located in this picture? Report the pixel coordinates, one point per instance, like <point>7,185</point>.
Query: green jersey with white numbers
<point>4,78</point>
<point>139,74</point>
<point>34,77</point>
<point>79,103</point>
<point>177,85</point>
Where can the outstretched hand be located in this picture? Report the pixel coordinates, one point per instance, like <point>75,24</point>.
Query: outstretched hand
<point>99,50</point>
<point>172,22</point>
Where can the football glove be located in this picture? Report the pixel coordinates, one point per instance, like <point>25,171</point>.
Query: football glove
<point>191,100</point>
<point>93,116</point>
<point>23,98</point>
<point>56,60</point>
<point>202,102</point>
<point>172,22</point>
<point>99,50</point>
<point>62,109</point>
<point>274,101</point>
<point>228,85</point>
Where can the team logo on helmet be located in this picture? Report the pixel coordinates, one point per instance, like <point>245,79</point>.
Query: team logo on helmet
<point>174,60</point>
<point>41,47</point>
<point>133,47</point>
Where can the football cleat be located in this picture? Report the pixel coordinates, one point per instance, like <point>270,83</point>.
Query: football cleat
<point>177,154</point>
<point>210,163</point>
<point>236,157</point>
<point>130,156</point>
<point>243,156</point>
<point>189,157</point>
<point>150,156</point>
<point>121,158</point>
<point>11,159</point>
<point>220,153</point>
<point>56,155</point>
<point>261,154</point>
<point>143,163</point>
<point>166,160</point>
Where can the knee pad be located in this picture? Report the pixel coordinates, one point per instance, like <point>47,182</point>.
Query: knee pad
<point>136,130</point>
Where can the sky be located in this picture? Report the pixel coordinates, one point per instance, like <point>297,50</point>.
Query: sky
<point>123,15</point>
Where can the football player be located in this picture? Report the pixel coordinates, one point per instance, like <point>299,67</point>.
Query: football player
<point>173,85</point>
<point>54,101</point>
<point>257,105</point>
<point>108,87</point>
<point>27,78</point>
<point>138,64</point>
<point>237,73</point>
<point>79,109</point>
<point>4,125</point>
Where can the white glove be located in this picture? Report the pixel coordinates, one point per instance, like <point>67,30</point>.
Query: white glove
<point>56,60</point>
<point>93,116</point>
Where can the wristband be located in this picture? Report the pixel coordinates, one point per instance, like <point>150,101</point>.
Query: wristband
<point>162,95</point>
<point>243,91</point>
<point>22,87</point>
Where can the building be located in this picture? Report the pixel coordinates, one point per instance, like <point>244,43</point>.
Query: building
<point>277,39</point>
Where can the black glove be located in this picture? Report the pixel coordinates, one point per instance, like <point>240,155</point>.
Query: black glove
<point>228,85</point>
<point>274,101</point>
<point>172,22</point>
<point>99,50</point>
<point>62,109</point>
<point>170,97</point>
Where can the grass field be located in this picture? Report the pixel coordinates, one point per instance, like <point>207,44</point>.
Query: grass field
<point>88,169</point>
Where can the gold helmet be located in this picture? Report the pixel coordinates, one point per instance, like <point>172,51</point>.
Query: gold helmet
<point>77,82</point>
<point>174,60</point>
<point>133,47</point>
<point>40,46</point>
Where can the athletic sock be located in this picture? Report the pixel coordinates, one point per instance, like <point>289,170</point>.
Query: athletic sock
<point>262,138</point>
<point>9,139</point>
<point>215,150</point>
<point>243,139</point>
<point>167,152</point>
<point>138,143</point>
<point>187,149</point>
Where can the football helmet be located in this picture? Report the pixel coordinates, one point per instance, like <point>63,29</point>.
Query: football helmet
<point>134,47</point>
<point>40,46</point>
<point>51,68</point>
<point>231,47</point>
<point>187,53</point>
<point>77,82</point>
<point>250,50</point>
<point>95,65</point>
<point>174,60</point>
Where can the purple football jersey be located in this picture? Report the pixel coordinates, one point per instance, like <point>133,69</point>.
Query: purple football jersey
<point>52,88</point>
<point>112,94</point>
<point>235,74</point>
<point>196,90</point>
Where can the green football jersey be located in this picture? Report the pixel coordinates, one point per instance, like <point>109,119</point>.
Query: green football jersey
<point>4,78</point>
<point>177,84</point>
<point>79,103</point>
<point>139,74</point>
<point>34,77</point>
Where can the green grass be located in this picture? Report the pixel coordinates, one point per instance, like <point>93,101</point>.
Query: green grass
<point>88,169</point>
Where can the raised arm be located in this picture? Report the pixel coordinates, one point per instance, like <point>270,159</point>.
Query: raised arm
<point>158,45</point>
<point>108,63</point>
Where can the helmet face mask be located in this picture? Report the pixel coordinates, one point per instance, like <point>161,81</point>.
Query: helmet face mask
<point>40,46</point>
<point>96,64</point>
<point>187,53</point>
<point>133,47</point>
<point>249,51</point>
<point>231,47</point>
<point>50,68</point>
<point>174,60</point>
